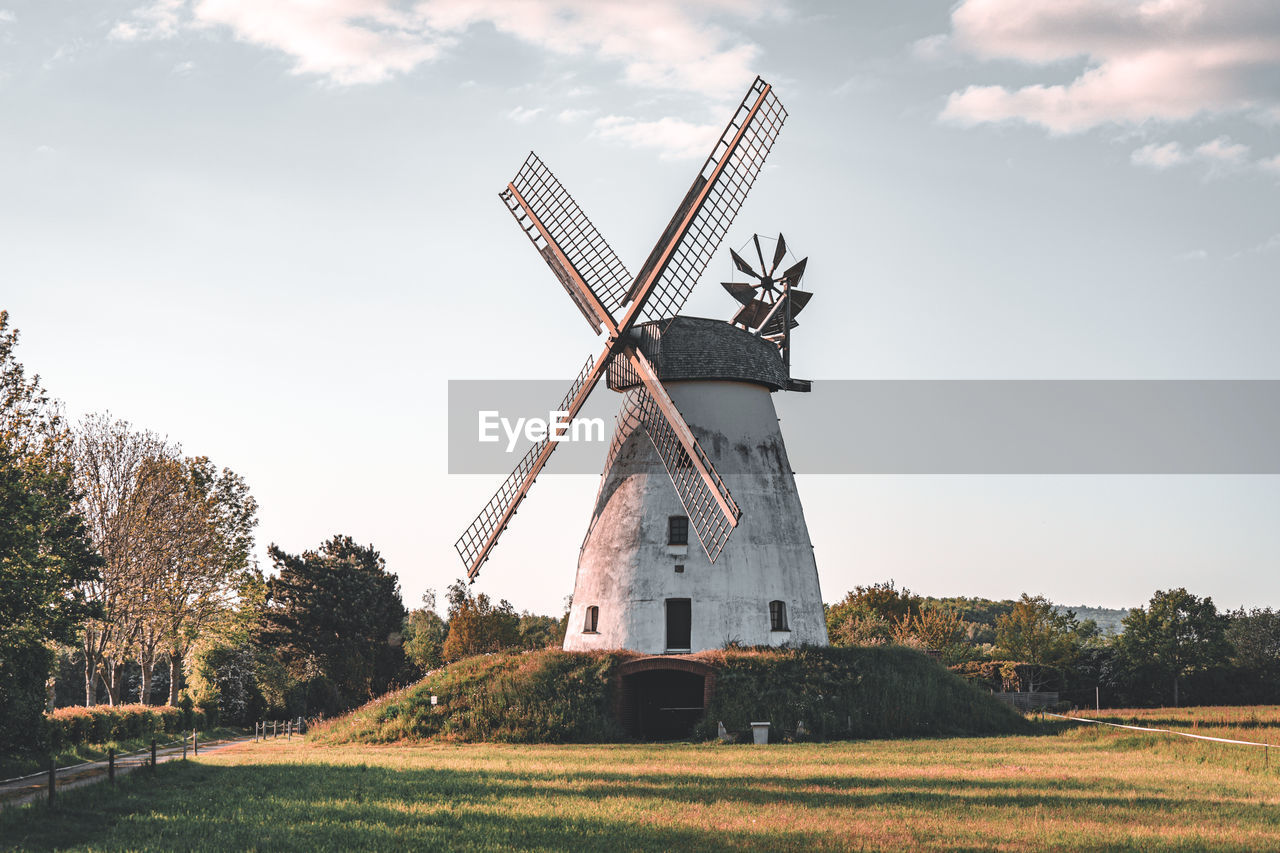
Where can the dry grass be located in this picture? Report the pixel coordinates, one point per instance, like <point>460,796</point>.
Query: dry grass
<point>1078,790</point>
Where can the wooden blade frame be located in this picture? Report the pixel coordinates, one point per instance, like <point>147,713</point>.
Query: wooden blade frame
<point>703,217</point>
<point>581,259</point>
<point>477,541</point>
<point>590,272</point>
<point>711,510</point>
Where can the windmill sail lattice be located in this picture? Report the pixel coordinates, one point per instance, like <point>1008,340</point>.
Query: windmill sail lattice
<point>599,285</point>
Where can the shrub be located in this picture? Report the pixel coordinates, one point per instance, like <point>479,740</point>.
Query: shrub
<point>106,724</point>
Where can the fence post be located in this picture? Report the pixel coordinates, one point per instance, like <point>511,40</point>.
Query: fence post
<point>184,749</point>
<point>273,729</point>
<point>195,741</point>
<point>288,730</point>
<point>1097,698</point>
<point>153,755</point>
<point>53,778</point>
<point>111,765</point>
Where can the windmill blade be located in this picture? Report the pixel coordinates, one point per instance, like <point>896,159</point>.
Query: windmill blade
<point>744,293</point>
<point>779,252</point>
<point>753,315</point>
<point>759,252</point>
<point>700,222</point>
<point>799,299</point>
<point>478,540</point>
<point>794,272</point>
<point>742,265</point>
<point>584,263</point>
<point>711,509</point>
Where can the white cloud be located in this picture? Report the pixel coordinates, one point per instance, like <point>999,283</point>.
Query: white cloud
<point>673,138</point>
<point>1193,255</point>
<point>1156,156</point>
<point>1221,155</point>
<point>160,20</point>
<point>1165,60</point>
<point>1222,150</point>
<point>665,44</point>
<point>1271,164</point>
<point>568,116</point>
<point>184,68</point>
<point>523,114</point>
<point>7,17</point>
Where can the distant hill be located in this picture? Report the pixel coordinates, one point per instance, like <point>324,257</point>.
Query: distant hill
<point>1108,619</point>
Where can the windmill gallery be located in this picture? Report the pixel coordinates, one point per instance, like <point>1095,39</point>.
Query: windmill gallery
<point>697,446</point>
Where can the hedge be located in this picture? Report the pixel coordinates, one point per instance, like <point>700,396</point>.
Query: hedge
<point>105,723</point>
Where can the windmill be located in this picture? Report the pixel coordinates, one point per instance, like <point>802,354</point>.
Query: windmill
<point>648,346</point>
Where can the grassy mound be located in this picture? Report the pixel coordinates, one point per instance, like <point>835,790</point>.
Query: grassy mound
<point>554,696</point>
<point>868,692</point>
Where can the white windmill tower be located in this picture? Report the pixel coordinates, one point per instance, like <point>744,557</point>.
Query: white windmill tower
<point>697,446</point>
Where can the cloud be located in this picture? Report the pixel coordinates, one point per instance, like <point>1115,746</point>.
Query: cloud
<point>1193,255</point>
<point>673,138</point>
<point>523,115</point>
<point>1271,164</point>
<point>1144,60</point>
<point>160,20</point>
<point>7,17</point>
<point>184,68</point>
<point>1161,157</point>
<point>662,44</point>
<point>1221,155</point>
<point>568,116</point>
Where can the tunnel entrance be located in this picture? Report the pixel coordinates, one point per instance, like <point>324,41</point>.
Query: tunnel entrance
<point>663,698</point>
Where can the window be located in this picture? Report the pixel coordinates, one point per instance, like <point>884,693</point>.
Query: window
<point>679,569</point>
<point>678,530</point>
<point>679,624</point>
<point>777,616</point>
<point>593,619</point>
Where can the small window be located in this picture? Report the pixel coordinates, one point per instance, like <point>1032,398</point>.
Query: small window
<point>593,619</point>
<point>678,530</point>
<point>777,616</point>
<point>679,569</point>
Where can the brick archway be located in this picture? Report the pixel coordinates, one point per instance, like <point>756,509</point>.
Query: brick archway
<point>627,703</point>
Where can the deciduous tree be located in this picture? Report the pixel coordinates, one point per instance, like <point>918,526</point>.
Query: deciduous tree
<point>45,553</point>
<point>1176,635</point>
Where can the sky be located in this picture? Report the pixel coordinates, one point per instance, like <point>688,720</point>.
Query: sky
<point>271,232</point>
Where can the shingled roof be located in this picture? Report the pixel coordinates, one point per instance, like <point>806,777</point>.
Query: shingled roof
<point>699,348</point>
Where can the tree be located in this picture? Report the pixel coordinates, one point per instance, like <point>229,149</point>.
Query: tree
<point>45,552</point>
<point>424,634</point>
<point>1176,635</point>
<point>109,456</point>
<point>868,614</point>
<point>538,632</point>
<point>476,625</point>
<point>334,617</point>
<point>176,534</point>
<point>209,517</point>
<point>937,628</point>
<point>1255,641</point>
<point>1035,632</point>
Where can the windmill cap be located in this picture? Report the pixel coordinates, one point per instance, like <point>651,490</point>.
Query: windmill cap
<point>698,348</point>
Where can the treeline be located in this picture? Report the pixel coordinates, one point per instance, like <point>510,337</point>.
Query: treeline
<point>1177,649</point>
<point>127,576</point>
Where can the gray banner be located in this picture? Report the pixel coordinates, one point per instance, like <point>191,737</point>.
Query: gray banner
<point>929,427</point>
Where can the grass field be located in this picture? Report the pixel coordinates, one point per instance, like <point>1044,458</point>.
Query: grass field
<point>1075,787</point>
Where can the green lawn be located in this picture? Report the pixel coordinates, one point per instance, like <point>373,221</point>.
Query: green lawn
<point>1080,789</point>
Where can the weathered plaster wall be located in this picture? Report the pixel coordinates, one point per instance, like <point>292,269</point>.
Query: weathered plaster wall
<point>627,570</point>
